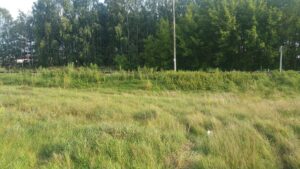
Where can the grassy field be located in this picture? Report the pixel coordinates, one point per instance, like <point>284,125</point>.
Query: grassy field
<point>140,123</point>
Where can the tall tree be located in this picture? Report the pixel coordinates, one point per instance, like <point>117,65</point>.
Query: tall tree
<point>5,26</point>
<point>158,48</point>
<point>226,34</point>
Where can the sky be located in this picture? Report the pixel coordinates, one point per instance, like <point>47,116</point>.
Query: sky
<point>13,6</point>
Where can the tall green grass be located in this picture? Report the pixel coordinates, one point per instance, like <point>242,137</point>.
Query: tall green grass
<point>55,128</point>
<point>148,79</point>
<point>85,118</point>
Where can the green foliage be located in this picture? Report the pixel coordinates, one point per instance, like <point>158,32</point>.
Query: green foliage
<point>226,34</point>
<point>121,61</point>
<point>240,35</point>
<point>148,79</point>
<point>158,49</point>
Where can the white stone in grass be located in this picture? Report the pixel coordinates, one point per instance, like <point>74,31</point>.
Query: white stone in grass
<point>209,132</point>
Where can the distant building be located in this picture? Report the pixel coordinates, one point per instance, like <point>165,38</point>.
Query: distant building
<point>27,59</point>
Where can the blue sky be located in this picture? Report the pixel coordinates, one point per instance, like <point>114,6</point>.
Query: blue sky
<point>15,5</point>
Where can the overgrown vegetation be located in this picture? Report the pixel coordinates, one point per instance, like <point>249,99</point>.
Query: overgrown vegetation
<point>148,79</point>
<point>106,128</point>
<point>82,117</point>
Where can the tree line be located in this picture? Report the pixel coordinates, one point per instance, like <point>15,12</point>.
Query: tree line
<point>225,34</point>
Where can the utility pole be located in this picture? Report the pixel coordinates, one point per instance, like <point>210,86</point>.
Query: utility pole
<point>174,36</point>
<point>281,58</point>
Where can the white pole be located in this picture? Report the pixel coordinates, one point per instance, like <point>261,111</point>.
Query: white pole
<point>281,58</point>
<point>174,36</point>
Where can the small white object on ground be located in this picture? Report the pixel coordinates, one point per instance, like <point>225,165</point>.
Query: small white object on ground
<point>209,132</point>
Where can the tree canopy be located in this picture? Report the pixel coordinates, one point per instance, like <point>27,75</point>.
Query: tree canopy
<point>225,34</point>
